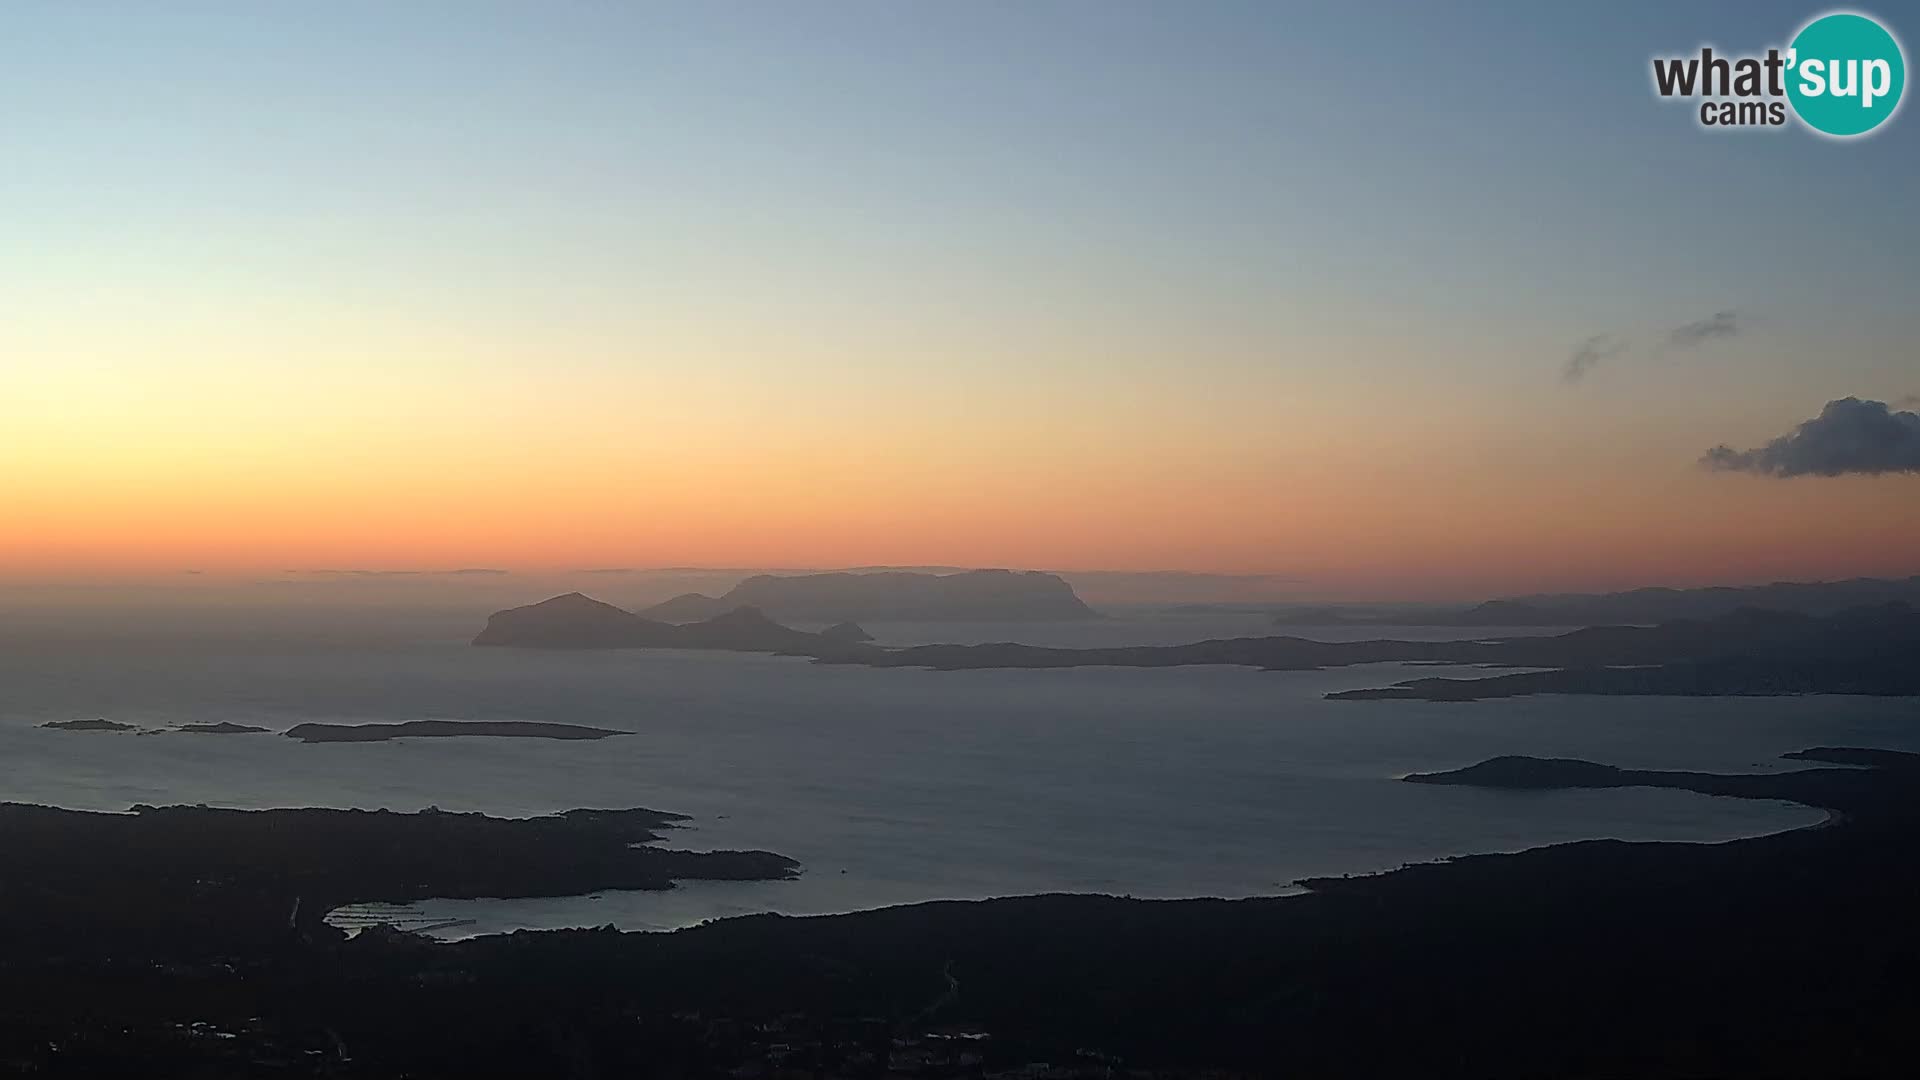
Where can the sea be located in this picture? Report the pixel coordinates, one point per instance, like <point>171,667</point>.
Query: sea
<point>890,786</point>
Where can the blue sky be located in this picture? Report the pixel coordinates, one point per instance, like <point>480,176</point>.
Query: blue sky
<point>1516,143</point>
<point>1152,212</point>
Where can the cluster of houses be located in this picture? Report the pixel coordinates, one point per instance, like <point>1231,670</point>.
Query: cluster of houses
<point>798,1047</point>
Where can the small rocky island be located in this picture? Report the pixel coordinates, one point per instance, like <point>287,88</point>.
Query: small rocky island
<point>445,729</point>
<point>362,733</point>
<point>93,724</point>
<point>1826,788</point>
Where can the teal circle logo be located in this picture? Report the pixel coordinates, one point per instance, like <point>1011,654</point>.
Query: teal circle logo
<point>1845,74</point>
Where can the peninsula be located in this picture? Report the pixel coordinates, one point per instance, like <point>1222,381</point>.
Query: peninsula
<point>222,880</point>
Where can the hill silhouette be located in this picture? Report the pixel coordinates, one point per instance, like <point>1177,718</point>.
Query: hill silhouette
<point>575,621</point>
<point>993,595</point>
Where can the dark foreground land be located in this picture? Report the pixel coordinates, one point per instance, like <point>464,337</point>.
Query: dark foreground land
<point>187,883</point>
<point>172,946</point>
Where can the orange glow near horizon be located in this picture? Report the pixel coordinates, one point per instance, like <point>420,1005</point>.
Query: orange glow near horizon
<point>1434,529</point>
<point>743,448</point>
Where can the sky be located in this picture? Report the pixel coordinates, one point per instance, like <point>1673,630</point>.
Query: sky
<point>1220,287</point>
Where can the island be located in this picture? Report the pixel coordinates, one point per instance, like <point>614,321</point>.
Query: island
<point>445,729</point>
<point>1828,789</point>
<point>95,724</point>
<point>897,595</point>
<point>221,728</point>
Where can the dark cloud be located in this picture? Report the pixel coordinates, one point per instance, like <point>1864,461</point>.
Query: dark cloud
<point>1720,324</point>
<point>1591,352</point>
<point>1849,436</point>
<point>611,570</point>
<point>1588,354</point>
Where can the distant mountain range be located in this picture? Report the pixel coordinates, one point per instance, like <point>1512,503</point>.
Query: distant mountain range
<point>905,596</point>
<point>1887,634</point>
<point>1865,650</point>
<point>1656,605</point>
<point>1749,653</point>
<point>1639,607</point>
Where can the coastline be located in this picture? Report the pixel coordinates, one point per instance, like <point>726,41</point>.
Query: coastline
<point>1186,986</point>
<point>687,905</point>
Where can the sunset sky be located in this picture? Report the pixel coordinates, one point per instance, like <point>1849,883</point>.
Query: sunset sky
<point>1217,286</point>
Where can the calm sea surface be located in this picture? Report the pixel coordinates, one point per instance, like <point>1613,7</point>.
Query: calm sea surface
<point>891,786</point>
